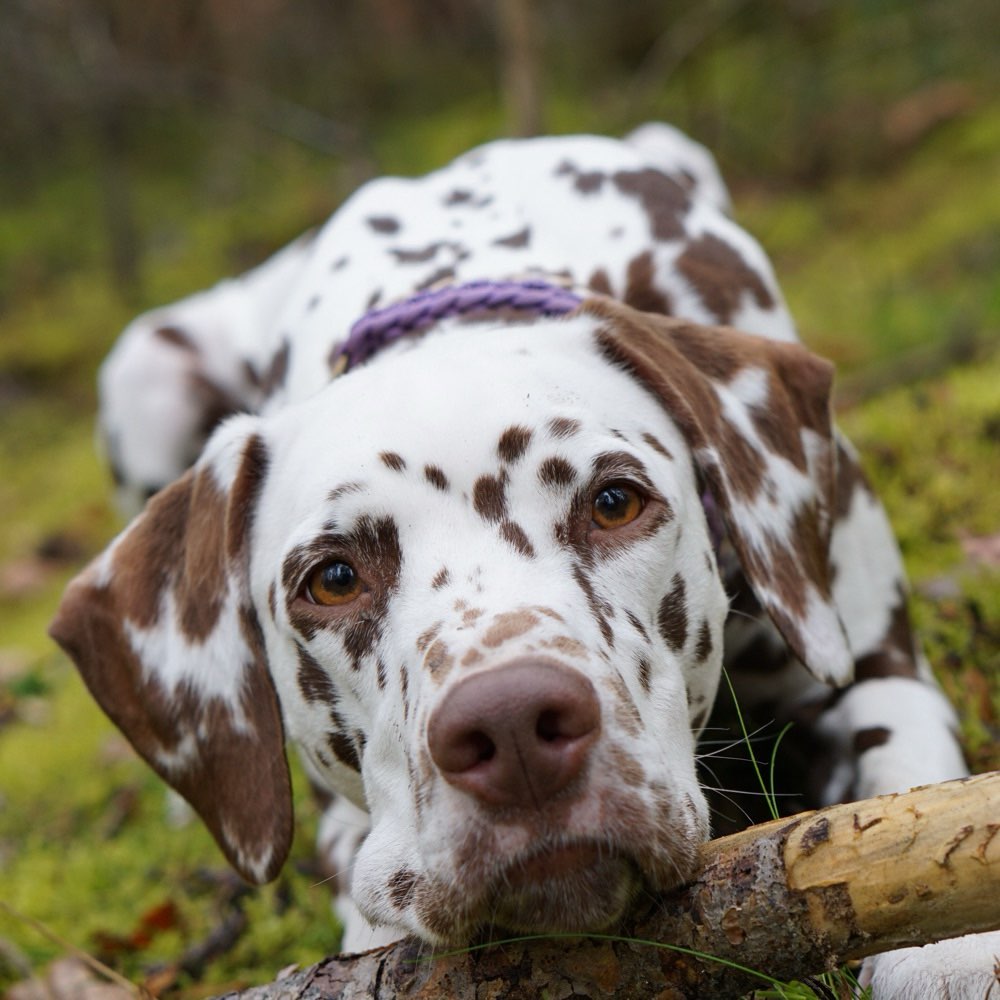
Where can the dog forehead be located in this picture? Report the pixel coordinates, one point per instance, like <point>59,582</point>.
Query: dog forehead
<point>466,398</point>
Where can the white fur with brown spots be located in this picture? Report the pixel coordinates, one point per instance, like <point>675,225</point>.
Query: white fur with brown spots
<point>473,580</point>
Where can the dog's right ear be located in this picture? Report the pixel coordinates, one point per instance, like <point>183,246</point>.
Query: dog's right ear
<point>162,629</point>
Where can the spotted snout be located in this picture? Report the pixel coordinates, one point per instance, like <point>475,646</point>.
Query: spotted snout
<point>517,735</point>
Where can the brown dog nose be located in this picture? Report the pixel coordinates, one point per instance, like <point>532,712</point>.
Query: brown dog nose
<point>515,735</point>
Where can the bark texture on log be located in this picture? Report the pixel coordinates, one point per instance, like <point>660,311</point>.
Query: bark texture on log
<point>791,898</point>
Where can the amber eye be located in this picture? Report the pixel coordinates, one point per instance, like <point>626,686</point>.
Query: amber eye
<point>332,584</point>
<point>616,505</point>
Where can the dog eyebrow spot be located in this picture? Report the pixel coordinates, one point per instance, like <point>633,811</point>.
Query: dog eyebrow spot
<point>392,461</point>
<point>563,427</point>
<point>556,471</point>
<point>513,443</point>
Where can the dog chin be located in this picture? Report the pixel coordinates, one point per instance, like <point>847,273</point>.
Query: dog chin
<point>576,889</point>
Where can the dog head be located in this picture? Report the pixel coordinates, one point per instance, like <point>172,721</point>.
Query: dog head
<point>474,583</point>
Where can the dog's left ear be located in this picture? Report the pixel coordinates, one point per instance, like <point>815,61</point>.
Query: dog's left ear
<point>166,637</point>
<point>756,414</point>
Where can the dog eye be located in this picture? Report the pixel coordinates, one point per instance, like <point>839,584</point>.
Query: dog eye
<point>332,584</point>
<point>616,505</point>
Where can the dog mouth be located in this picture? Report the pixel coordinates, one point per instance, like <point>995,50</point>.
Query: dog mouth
<point>580,886</point>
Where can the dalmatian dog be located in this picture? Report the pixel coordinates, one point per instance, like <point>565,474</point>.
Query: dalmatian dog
<point>516,457</point>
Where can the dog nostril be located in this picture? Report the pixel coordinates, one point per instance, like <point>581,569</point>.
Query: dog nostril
<point>548,728</point>
<point>474,748</point>
<point>483,747</point>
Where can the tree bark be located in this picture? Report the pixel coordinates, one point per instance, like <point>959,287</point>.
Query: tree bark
<point>790,898</point>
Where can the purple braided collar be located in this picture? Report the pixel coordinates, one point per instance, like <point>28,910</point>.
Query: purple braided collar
<point>381,327</point>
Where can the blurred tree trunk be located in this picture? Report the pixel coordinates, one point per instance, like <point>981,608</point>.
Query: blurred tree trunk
<point>520,34</point>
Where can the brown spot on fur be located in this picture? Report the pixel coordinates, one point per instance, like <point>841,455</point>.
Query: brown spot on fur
<point>657,445</point>
<point>272,599</point>
<point>392,461</point>
<point>509,625</point>
<point>176,337</point>
<point>868,739</point>
<point>438,659</point>
<point>672,618</point>
<point>516,240</point>
<point>566,645</point>
<point>626,767</point>
<point>513,443</point>
<point>563,427</point>
<point>601,610</point>
<point>437,277</point>
<point>704,648</point>
<point>586,182</point>
<point>555,472</point>
<point>720,277</point>
<point>384,224</point>
<point>626,712</point>
<point>471,657</point>
<point>344,749</point>
<point>662,198</point>
<point>600,282</point>
<point>514,535</point>
<point>428,636</point>
<point>401,886</point>
<point>441,578</point>
<point>640,286</point>
<point>489,498</point>
<point>471,615</point>
<point>645,672</point>
<point>273,377</point>
<point>896,655</point>
<point>637,624</point>
<point>436,477</point>
<point>314,682</point>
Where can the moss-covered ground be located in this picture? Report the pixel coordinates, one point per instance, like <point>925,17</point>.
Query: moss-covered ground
<point>896,276</point>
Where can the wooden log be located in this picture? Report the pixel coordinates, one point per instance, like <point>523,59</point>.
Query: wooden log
<point>789,898</point>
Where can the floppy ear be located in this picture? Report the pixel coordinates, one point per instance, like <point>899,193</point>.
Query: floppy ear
<point>162,629</point>
<point>756,413</point>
